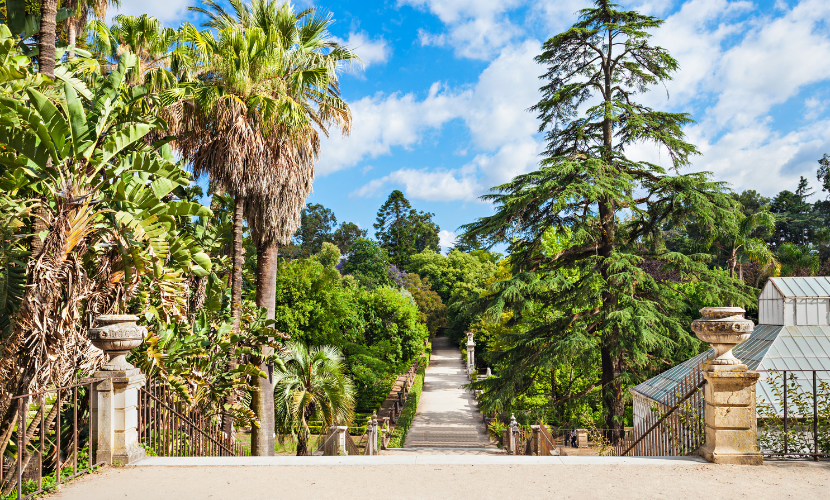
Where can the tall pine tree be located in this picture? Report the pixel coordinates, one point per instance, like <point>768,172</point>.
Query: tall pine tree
<point>592,299</point>
<point>404,231</point>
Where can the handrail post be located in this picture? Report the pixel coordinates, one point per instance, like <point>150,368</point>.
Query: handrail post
<point>374,433</point>
<point>336,443</point>
<point>514,430</point>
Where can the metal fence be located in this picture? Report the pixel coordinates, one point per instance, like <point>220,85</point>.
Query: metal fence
<point>674,427</point>
<point>794,414</point>
<point>49,440</point>
<point>169,427</point>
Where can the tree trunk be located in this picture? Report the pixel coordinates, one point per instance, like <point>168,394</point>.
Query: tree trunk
<point>46,65</point>
<point>612,394</point>
<point>609,351</point>
<point>238,262</point>
<point>71,35</point>
<point>46,44</point>
<point>262,438</point>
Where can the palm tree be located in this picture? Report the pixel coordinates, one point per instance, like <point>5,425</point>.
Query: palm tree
<point>798,260</point>
<point>311,385</point>
<point>295,99</point>
<point>747,244</point>
<point>162,57</point>
<point>75,24</point>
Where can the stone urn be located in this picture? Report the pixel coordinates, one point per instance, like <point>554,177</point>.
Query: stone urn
<point>116,335</point>
<point>723,328</point>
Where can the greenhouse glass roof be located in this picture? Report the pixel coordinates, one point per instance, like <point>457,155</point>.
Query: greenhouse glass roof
<point>771,347</point>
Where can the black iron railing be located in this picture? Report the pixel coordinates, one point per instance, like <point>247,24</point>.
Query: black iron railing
<point>169,427</point>
<point>794,414</point>
<point>48,442</point>
<point>674,427</point>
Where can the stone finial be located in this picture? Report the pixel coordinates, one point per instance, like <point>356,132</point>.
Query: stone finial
<point>723,328</point>
<point>116,335</point>
<point>513,424</point>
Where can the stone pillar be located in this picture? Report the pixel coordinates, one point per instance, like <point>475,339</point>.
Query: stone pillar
<point>370,437</point>
<point>471,356</point>
<point>729,394</point>
<point>114,400</point>
<point>581,438</point>
<point>375,433</point>
<point>336,444</point>
<point>514,430</point>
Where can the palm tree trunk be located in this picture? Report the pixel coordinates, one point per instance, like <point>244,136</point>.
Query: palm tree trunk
<point>71,34</point>
<point>262,438</point>
<point>238,260</point>
<point>46,65</point>
<point>46,44</point>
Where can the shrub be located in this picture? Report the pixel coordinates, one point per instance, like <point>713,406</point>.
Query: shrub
<point>409,408</point>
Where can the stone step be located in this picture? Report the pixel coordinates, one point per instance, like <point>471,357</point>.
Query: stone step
<point>460,437</point>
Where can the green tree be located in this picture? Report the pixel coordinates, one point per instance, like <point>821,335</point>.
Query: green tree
<point>111,242</point>
<point>744,246</point>
<point>459,279</point>
<point>345,236</point>
<point>403,231</point>
<point>81,9</point>
<point>393,229</point>
<point>432,308</point>
<point>614,206</point>
<point>795,218</point>
<point>751,201</point>
<point>311,385</point>
<point>798,260</point>
<point>316,225</point>
<point>368,263</point>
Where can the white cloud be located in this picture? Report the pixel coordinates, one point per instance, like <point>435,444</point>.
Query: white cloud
<point>439,185</point>
<point>757,157</point>
<point>371,52</point>
<point>814,107</point>
<point>382,122</point>
<point>476,28</point>
<point>494,110</point>
<point>773,62</point>
<point>446,240</point>
<point>169,12</point>
<point>497,112</point>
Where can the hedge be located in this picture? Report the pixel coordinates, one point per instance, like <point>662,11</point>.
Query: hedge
<point>409,408</point>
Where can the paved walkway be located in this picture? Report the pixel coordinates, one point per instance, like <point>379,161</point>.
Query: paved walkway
<point>428,479</point>
<point>447,415</point>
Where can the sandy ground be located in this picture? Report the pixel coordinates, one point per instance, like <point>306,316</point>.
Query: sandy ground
<point>797,480</point>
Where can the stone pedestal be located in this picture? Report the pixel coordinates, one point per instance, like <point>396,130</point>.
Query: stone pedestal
<point>114,416</point>
<point>336,445</point>
<point>471,354</point>
<point>729,415</point>
<point>581,438</point>
<point>114,400</point>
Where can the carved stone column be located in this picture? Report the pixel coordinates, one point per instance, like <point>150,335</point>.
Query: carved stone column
<point>471,356</point>
<point>514,430</point>
<point>114,400</point>
<point>729,394</point>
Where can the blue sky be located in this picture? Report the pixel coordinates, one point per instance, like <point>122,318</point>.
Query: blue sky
<point>440,107</point>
